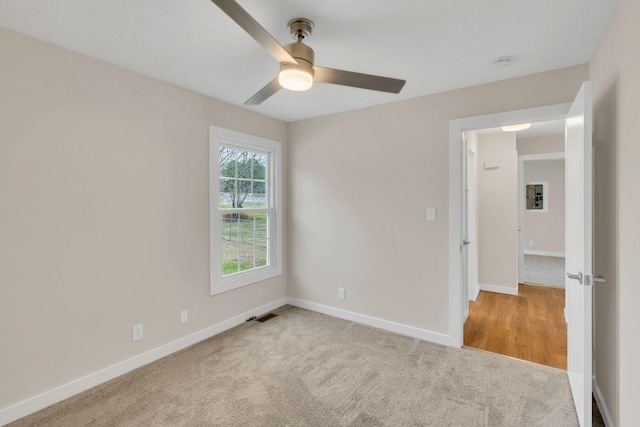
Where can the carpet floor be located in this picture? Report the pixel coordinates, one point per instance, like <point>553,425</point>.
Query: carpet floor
<point>303,368</point>
<point>544,270</point>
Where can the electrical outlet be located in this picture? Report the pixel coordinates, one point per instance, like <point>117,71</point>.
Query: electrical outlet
<point>184,316</point>
<point>530,242</point>
<point>136,332</point>
<point>432,214</point>
<point>341,293</point>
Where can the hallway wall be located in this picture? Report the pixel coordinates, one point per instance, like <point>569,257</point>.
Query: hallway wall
<point>545,229</point>
<point>497,185</point>
<point>614,71</point>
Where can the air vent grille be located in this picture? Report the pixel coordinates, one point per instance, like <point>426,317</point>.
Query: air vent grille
<point>266,317</point>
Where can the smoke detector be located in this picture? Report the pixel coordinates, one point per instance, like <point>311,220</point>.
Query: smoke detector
<point>500,63</point>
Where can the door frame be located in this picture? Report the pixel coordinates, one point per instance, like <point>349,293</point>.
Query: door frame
<point>526,158</point>
<point>457,301</point>
<point>471,231</point>
<point>463,249</point>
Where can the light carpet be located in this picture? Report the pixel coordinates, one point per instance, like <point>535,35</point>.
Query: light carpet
<point>544,270</point>
<point>307,369</point>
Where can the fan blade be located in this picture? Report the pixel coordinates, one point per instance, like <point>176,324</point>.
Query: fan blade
<point>255,30</point>
<point>364,81</point>
<point>271,88</point>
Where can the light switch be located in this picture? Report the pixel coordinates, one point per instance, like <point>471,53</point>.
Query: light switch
<point>432,214</point>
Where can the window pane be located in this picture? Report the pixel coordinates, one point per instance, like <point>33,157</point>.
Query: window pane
<point>247,227</point>
<point>242,179</point>
<point>261,225</point>
<point>259,196</point>
<point>247,256</point>
<point>260,166</point>
<point>261,253</point>
<point>259,177</point>
<point>244,240</point>
<point>227,193</point>
<point>228,181</point>
<point>227,162</point>
<point>229,259</point>
<point>230,228</point>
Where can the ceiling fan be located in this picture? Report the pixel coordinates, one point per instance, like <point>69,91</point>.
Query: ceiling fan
<point>297,71</point>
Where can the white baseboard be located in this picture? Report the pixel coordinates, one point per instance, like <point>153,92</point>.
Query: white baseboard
<point>475,294</point>
<point>499,289</point>
<point>604,410</point>
<point>398,328</point>
<point>544,253</point>
<point>72,388</point>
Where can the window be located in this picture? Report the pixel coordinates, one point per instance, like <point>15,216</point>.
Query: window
<point>245,219</point>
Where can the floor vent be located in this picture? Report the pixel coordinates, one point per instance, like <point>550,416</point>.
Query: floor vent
<point>266,317</point>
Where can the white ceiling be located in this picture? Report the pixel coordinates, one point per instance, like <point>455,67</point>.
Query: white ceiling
<point>436,45</point>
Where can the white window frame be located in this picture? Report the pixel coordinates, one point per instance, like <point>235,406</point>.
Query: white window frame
<point>219,137</point>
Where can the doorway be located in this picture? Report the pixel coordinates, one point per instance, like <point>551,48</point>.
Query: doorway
<point>541,213</point>
<point>579,206</point>
<point>513,314</point>
<point>458,305</point>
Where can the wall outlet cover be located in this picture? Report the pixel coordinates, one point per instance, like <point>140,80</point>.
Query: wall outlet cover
<point>341,293</point>
<point>184,316</point>
<point>137,332</point>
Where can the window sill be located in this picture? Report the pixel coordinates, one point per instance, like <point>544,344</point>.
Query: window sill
<point>246,278</point>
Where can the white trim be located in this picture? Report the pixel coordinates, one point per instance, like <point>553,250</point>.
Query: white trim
<point>545,253</point>
<point>520,221</point>
<point>476,293</point>
<point>499,289</point>
<point>41,401</point>
<point>604,410</point>
<point>456,127</point>
<point>456,293</point>
<point>397,328</point>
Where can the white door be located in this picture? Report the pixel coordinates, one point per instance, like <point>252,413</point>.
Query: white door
<point>578,224</point>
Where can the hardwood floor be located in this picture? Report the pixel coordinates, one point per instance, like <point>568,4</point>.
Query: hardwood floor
<point>529,326</point>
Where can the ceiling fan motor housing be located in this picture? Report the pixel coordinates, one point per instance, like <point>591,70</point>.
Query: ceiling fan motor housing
<point>303,54</point>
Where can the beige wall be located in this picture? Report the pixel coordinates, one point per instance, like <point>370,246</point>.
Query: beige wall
<point>104,214</point>
<point>497,211</point>
<point>614,71</point>
<point>540,145</point>
<point>545,229</point>
<point>360,185</point>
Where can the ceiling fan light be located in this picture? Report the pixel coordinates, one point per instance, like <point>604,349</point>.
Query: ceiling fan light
<point>295,79</point>
<point>515,128</point>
